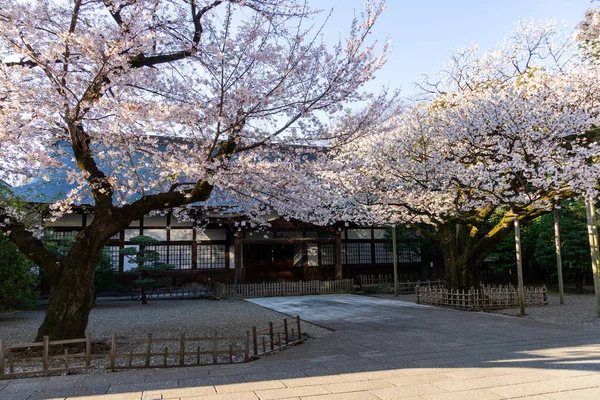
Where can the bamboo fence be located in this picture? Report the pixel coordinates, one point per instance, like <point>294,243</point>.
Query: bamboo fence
<point>404,287</point>
<point>266,289</point>
<point>486,298</point>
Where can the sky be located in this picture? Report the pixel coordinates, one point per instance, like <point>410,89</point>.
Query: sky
<point>423,33</point>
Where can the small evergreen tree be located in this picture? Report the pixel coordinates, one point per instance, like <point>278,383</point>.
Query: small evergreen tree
<point>147,261</point>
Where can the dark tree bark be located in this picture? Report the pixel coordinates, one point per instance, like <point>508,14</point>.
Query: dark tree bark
<point>466,245</point>
<point>72,278</point>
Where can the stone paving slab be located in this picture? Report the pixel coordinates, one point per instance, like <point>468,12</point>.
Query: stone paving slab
<point>380,350</point>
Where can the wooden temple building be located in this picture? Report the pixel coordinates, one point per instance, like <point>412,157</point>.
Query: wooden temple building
<point>227,250</point>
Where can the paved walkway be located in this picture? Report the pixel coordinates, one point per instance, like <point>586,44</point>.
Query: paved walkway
<point>381,349</point>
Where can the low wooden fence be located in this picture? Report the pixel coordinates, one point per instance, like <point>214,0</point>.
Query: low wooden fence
<point>48,355</point>
<point>379,279</point>
<point>266,289</point>
<point>173,292</point>
<point>149,352</point>
<point>404,287</point>
<point>486,298</point>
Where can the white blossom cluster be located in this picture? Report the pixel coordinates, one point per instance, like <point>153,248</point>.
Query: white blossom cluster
<point>151,90</point>
<point>512,127</point>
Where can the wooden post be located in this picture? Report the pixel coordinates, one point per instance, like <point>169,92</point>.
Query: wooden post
<point>271,335</point>
<point>561,291</point>
<point>338,255</point>
<point>395,255</point>
<point>67,358</point>
<point>593,239</point>
<point>215,347</point>
<point>285,332</point>
<point>45,359</point>
<point>2,356</point>
<point>299,329</point>
<point>113,352</point>
<point>148,349</point>
<point>182,349</point>
<point>130,356</point>
<point>88,349</point>
<point>166,355</point>
<point>247,347</point>
<point>230,354</point>
<point>519,266</point>
<point>255,340</point>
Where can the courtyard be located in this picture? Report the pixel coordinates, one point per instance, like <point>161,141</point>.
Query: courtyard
<point>378,349</point>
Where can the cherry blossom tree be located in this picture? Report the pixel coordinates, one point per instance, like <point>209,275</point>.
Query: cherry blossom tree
<point>158,103</point>
<point>503,135</point>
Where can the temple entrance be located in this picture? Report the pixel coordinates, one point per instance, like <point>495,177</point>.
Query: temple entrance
<point>271,263</point>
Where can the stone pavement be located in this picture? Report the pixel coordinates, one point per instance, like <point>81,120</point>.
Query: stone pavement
<point>381,349</point>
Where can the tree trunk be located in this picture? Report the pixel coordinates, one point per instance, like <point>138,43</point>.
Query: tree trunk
<point>144,297</point>
<point>464,249</point>
<point>71,297</point>
<point>460,269</point>
<point>72,283</point>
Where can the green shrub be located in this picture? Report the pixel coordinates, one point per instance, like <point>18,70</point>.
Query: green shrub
<point>18,278</point>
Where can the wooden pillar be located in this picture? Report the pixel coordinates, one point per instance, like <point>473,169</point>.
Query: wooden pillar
<point>338,255</point>
<point>240,273</point>
<point>395,255</point>
<point>594,252</point>
<point>519,266</point>
<point>561,290</point>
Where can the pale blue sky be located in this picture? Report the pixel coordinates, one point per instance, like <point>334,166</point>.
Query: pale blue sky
<point>424,31</point>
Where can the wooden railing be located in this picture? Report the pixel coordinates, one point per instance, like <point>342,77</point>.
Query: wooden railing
<point>486,298</point>
<point>265,289</point>
<point>149,352</point>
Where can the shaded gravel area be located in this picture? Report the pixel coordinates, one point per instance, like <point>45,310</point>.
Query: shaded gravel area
<point>163,318</point>
<point>577,310</point>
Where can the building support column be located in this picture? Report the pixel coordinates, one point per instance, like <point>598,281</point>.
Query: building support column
<point>338,255</point>
<point>240,275</point>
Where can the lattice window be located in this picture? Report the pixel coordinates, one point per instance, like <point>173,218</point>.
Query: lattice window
<point>408,256</point>
<point>352,254</point>
<point>116,236</point>
<point>180,256</point>
<point>113,253</point>
<point>211,256</point>
<point>382,254</point>
<point>63,235</point>
<point>365,253</point>
<point>356,253</point>
<point>327,254</point>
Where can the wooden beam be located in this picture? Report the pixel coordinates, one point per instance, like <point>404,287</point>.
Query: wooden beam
<point>286,241</point>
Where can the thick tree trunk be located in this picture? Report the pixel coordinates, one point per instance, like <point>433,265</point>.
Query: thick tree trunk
<point>72,283</point>
<point>460,269</point>
<point>464,248</point>
<point>71,297</point>
<point>144,297</point>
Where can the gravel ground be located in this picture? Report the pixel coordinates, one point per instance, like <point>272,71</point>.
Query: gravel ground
<point>163,318</point>
<point>577,310</point>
